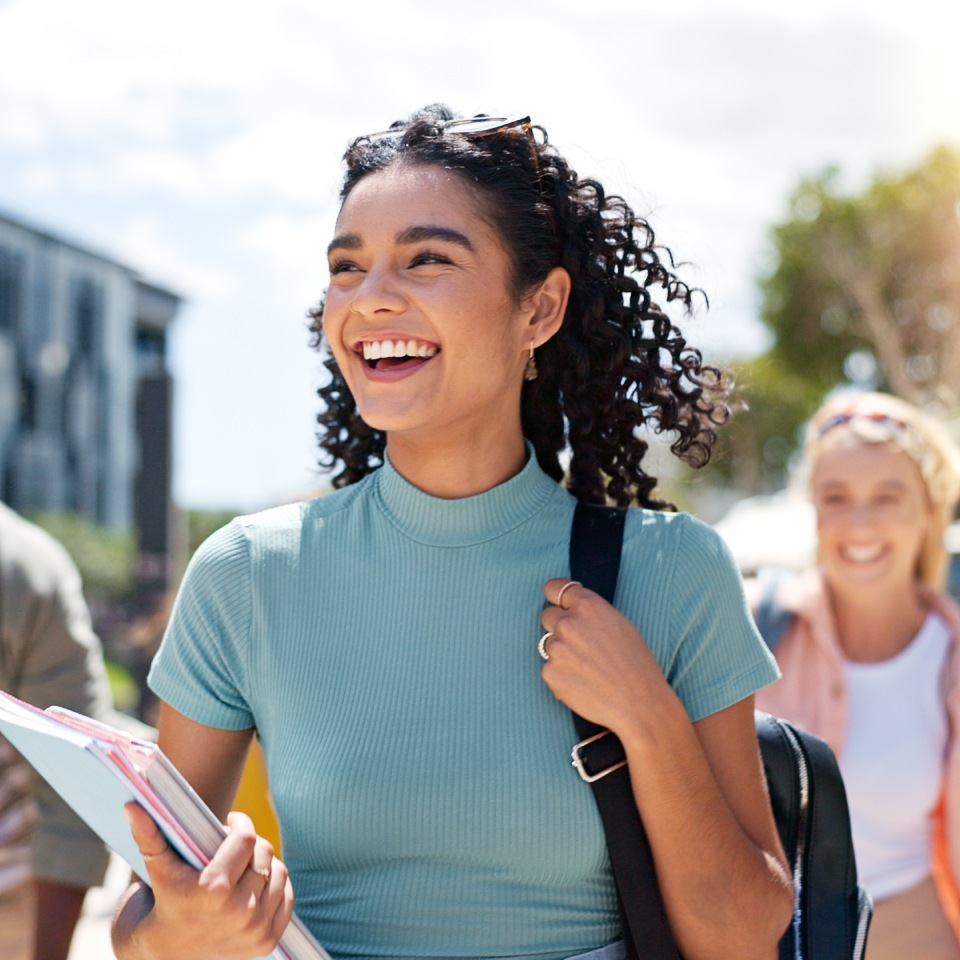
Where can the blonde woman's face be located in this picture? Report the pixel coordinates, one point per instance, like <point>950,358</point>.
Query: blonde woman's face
<point>872,513</point>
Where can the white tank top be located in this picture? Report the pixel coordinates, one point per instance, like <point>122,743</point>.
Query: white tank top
<point>892,761</point>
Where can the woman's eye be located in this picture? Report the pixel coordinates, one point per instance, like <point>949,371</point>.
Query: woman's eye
<point>427,257</point>
<point>342,266</point>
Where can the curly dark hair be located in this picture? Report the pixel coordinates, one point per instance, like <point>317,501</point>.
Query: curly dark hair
<point>617,363</point>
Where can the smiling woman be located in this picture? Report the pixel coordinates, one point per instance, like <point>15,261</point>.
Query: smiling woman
<point>422,322</point>
<point>486,309</point>
<point>503,193</point>
<point>871,661</point>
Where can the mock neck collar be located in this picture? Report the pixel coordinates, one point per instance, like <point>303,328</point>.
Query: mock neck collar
<point>466,520</point>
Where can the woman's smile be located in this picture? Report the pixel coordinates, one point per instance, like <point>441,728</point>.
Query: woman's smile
<point>375,350</point>
<point>419,312</point>
<point>862,554</point>
<point>392,358</point>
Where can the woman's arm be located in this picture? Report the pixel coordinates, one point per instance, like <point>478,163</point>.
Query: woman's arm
<point>240,903</point>
<point>699,787</point>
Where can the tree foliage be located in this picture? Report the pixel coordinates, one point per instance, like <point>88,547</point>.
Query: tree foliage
<point>877,273</point>
<point>107,559</point>
<point>202,523</point>
<point>864,289</point>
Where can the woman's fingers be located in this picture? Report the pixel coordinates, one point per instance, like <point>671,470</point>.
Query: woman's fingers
<point>235,856</point>
<point>596,660</point>
<point>249,861</point>
<point>563,592</point>
<point>277,897</point>
<point>158,856</point>
<point>151,842</point>
<point>237,905</point>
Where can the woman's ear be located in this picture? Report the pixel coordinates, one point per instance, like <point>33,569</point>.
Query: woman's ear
<point>549,305</point>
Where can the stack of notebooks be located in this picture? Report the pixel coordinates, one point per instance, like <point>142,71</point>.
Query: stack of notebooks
<point>97,769</point>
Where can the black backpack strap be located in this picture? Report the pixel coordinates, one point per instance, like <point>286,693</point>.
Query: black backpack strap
<point>595,544</point>
<point>771,617</point>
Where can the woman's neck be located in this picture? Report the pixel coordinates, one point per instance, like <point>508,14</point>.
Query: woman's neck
<point>457,469</point>
<point>872,628</point>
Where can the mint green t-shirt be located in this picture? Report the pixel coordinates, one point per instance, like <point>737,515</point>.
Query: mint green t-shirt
<point>384,644</point>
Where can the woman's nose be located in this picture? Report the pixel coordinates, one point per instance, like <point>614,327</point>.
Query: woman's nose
<point>860,514</point>
<point>377,292</point>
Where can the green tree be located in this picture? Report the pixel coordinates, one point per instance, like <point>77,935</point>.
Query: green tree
<point>863,289</point>
<point>107,559</point>
<point>771,403</point>
<point>201,523</point>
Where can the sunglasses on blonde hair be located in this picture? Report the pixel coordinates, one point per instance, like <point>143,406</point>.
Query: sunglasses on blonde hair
<point>880,419</point>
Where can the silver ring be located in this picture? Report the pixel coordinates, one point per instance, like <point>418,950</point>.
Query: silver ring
<point>564,589</point>
<point>542,645</point>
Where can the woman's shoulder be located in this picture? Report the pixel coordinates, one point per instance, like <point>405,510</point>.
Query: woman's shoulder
<point>677,552</point>
<point>300,512</point>
<point>276,529</point>
<point>676,530</point>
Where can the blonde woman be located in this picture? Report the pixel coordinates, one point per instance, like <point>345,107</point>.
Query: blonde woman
<point>870,658</point>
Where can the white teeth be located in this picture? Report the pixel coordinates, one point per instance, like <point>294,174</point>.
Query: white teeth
<point>376,349</point>
<point>863,554</point>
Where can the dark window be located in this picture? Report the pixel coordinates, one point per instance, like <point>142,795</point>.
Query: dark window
<point>86,311</point>
<point>28,402</point>
<point>151,352</point>
<point>11,288</point>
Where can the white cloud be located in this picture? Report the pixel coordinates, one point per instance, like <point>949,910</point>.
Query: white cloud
<point>200,141</point>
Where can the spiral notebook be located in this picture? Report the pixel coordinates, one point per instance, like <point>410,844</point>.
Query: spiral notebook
<point>97,769</point>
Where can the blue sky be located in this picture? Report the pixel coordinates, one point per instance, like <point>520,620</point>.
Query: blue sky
<point>200,142</point>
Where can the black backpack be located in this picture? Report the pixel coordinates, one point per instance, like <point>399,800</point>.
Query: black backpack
<point>831,912</point>
<point>772,618</point>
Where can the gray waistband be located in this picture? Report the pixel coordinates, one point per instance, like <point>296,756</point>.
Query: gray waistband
<point>612,951</point>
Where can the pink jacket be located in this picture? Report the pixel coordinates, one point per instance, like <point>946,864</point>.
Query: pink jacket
<point>811,694</point>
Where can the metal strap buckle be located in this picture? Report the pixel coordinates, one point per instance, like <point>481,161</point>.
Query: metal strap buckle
<point>578,760</point>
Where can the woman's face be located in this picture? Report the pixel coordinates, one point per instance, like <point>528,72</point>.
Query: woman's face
<point>872,512</point>
<point>419,313</point>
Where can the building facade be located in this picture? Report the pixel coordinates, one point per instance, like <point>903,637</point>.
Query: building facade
<point>85,393</point>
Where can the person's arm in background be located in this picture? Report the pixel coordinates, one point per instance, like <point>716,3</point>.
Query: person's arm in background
<point>58,909</point>
<point>56,659</point>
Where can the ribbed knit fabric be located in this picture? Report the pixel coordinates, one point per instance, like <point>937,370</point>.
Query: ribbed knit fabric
<point>383,642</point>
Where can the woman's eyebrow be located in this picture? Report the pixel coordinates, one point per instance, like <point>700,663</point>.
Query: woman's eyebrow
<point>345,241</point>
<point>352,241</point>
<point>420,233</point>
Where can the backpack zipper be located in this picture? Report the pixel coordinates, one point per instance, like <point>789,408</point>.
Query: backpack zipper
<point>803,774</point>
<point>864,913</point>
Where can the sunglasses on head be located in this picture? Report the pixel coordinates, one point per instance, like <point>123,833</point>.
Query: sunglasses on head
<point>478,126</point>
<point>881,419</point>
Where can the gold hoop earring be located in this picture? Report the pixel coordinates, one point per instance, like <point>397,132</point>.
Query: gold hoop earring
<point>530,371</point>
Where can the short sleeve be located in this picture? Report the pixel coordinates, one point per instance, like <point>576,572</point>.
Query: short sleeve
<point>201,668</point>
<point>708,646</point>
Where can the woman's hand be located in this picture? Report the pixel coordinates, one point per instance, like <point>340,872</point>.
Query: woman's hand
<point>698,786</point>
<point>235,908</point>
<point>598,664</point>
